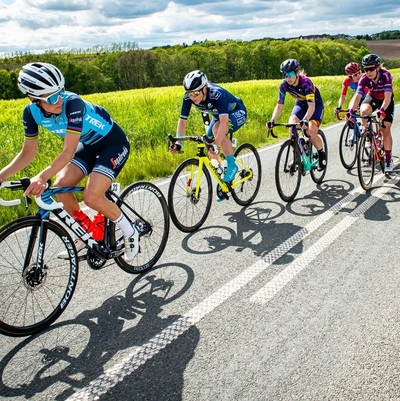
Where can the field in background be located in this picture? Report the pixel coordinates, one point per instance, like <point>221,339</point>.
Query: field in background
<point>149,115</point>
<point>389,49</point>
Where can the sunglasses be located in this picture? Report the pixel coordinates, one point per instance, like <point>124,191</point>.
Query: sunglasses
<point>369,69</point>
<point>290,74</point>
<point>193,93</point>
<point>53,98</point>
<point>355,75</point>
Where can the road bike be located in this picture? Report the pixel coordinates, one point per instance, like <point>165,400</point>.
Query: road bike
<point>190,191</point>
<point>371,150</point>
<point>349,140</point>
<point>296,157</point>
<point>36,285</point>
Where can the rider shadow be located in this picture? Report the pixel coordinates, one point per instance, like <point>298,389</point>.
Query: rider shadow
<point>257,230</point>
<point>69,355</point>
<point>327,194</point>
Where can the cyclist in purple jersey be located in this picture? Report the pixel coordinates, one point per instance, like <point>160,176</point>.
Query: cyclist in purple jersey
<point>228,115</point>
<point>94,145</point>
<point>353,71</point>
<point>308,109</point>
<point>378,81</point>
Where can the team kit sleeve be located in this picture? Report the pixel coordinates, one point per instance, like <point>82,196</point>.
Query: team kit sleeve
<point>31,128</point>
<point>75,110</point>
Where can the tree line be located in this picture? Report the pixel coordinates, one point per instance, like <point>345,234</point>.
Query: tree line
<point>128,67</point>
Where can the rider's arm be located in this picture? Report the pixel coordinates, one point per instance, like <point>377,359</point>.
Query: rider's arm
<point>21,160</point>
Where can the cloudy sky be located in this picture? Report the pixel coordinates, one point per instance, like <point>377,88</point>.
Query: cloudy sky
<point>37,25</point>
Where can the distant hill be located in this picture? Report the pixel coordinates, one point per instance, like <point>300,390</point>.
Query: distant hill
<point>388,49</point>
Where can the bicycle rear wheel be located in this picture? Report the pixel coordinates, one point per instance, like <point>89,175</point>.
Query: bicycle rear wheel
<point>318,176</point>
<point>145,206</point>
<point>32,298</point>
<point>248,161</point>
<point>288,171</point>
<point>366,160</point>
<point>188,210</point>
<point>348,145</point>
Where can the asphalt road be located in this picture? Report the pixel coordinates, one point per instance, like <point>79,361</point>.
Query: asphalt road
<point>270,302</point>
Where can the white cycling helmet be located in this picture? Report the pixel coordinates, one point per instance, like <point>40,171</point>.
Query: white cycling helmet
<point>194,81</point>
<point>38,79</point>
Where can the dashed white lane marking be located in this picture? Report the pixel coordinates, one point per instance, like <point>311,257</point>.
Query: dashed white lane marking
<point>293,269</point>
<point>116,374</point>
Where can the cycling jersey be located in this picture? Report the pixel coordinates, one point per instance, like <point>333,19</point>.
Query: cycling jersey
<point>78,116</point>
<point>304,92</point>
<point>376,89</point>
<point>348,83</point>
<point>218,102</point>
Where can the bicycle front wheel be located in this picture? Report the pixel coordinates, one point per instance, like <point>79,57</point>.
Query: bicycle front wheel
<point>33,297</point>
<point>366,161</point>
<point>190,205</point>
<point>145,206</point>
<point>288,171</point>
<point>348,145</point>
<point>249,163</point>
<point>318,176</point>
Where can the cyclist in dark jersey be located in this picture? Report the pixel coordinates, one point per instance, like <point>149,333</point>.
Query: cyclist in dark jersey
<point>94,145</point>
<point>353,71</point>
<point>378,81</point>
<point>308,109</point>
<point>228,115</point>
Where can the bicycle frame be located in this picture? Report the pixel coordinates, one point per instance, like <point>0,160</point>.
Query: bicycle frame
<point>204,160</point>
<point>307,162</point>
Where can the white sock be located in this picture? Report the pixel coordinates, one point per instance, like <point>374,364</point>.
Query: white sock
<point>123,223</point>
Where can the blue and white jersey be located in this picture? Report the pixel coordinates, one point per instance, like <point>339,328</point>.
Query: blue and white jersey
<point>78,116</point>
<point>218,102</point>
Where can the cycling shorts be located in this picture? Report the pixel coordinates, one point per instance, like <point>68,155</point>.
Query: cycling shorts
<point>106,156</point>
<point>237,118</point>
<point>300,110</point>
<point>376,104</point>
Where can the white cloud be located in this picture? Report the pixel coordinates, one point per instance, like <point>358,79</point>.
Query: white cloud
<point>36,25</point>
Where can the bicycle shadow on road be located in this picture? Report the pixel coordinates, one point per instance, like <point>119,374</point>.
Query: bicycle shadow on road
<point>257,229</point>
<point>326,194</point>
<point>69,355</point>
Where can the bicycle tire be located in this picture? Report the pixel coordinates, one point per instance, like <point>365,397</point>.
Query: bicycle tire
<point>188,213</point>
<point>288,171</point>
<point>245,193</point>
<point>348,146</point>
<point>30,304</point>
<point>147,201</point>
<point>318,176</point>
<point>366,160</point>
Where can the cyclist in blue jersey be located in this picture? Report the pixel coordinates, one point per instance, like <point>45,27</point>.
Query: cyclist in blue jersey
<point>378,81</point>
<point>353,71</point>
<point>308,109</point>
<point>228,115</point>
<point>94,146</point>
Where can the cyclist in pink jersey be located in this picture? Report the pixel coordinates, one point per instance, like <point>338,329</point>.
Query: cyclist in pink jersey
<point>378,81</point>
<point>353,72</point>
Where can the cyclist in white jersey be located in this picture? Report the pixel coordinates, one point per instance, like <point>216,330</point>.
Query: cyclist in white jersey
<point>94,146</point>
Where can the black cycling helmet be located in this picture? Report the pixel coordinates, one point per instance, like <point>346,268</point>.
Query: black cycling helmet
<point>289,65</point>
<point>371,59</point>
<point>194,81</point>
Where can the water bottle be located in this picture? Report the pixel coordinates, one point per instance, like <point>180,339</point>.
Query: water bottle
<point>84,220</point>
<point>98,227</point>
<point>216,165</point>
<point>377,141</point>
<point>224,165</point>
